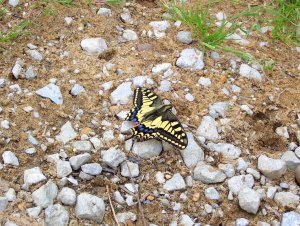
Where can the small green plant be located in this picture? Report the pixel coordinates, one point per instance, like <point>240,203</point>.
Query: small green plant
<point>14,32</point>
<point>66,2</point>
<point>268,65</point>
<point>114,2</point>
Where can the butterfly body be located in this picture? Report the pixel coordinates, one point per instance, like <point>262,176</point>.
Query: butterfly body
<point>153,119</point>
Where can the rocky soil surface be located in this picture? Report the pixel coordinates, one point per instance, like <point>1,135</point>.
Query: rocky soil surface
<point>64,92</point>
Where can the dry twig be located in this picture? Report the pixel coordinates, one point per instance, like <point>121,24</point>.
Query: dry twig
<point>111,206</point>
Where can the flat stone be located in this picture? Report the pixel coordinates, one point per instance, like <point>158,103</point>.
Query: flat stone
<point>52,92</point>
<point>121,94</point>
<point>34,211</point>
<point>190,58</point>
<point>127,216</point>
<point>129,169</point>
<point>147,149</point>
<point>36,55</point>
<point>67,133</point>
<point>63,169</point>
<point>175,183</point>
<point>272,168</point>
<point>92,169</point>
<point>208,174</point>
<point>205,82</point>
<point>160,68</point>
<point>228,151</point>
<point>82,145</point>
<point>160,25</point>
<point>228,169</point>
<point>184,37</point>
<point>139,81</point>
<point>13,3</point>
<point>93,46</point>
<point>113,157</point>
<point>10,195</point>
<point>9,158</point>
<point>283,132</point>
<point>185,220</point>
<point>249,200</point>
<point>78,160</point>
<point>90,207</point>
<point>291,160</point>
<point>18,68</point>
<point>104,12</point>
<point>67,196</point>
<point>287,199</point>
<point>218,109</point>
<point>45,195</point>
<point>97,143</point>
<point>33,176</point>
<point>130,35</point>
<point>3,203</point>
<point>212,193</point>
<point>165,86</point>
<point>242,222</point>
<point>56,215</point>
<point>237,183</point>
<point>76,90</point>
<point>249,72</point>
<point>30,74</point>
<point>290,219</point>
<point>208,129</point>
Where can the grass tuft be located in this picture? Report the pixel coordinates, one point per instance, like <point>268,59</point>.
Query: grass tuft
<point>14,32</point>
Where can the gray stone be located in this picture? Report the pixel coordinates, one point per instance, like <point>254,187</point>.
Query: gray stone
<point>125,16</point>
<point>219,108</point>
<point>236,89</point>
<point>126,126</point>
<point>67,196</point>
<point>93,46</point>
<point>208,129</point>
<point>175,183</point>
<point>92,169</point>
<point>85,176</point>
<point>286,199</point>
<point>290,219</point>
<point>68,20</point>
<point>33,176</point>
<point>108,136</point>
<point>77,89</point>
<point>283,132</point>
<point>147,149</point>
<point>119,198</point>
<point>123,217</point>
<point>160,178</point>
<point>30,74</point>
<point>78,160</point>
<point>121,94</point>
<point>291,160</point>
<point>2,82</point>
<point>193,153</point>
<point>237,183</point>
<point>246,109</point>
<point>272,168</point>
<point>82,145</point>
<point>249,200</point>
<point>185,220</point>
<point>90,207</point>
<point>139,81</point>
<point>208,174</point>
<point>129,169</point>
<point>165,86</point>
<point>10,223</point>
<point>34,211</point>
<point>5,124</point>
<point>189,97</point>
<point>67,133</point>
<point>104,12</point>
<point>130,35</point>
<point>184,37</point>
<point>97,143</point>
<point>10,195</point>
<point>113,157</point>
<point>10,158</point>
<point>190,58</point>
<point>160,25</point>
<point>56,215</point>
<point>160,68</point>
<point>249,72</point>
<point>215,56</point>
<point>228,169</point>
<point>205,82</point>
<point>241,164</point>
<point>13,3</point>
<point>63,168</point>
<point>36,55</point>
<point>254,173</point>
<point>18,68</point>
<point>45,195</point>
<point>242,222</point>
<point>212,193</point>
<point>271,192</point>
<point>52,92</point>
<point>3,203</point>
<point>228,151</point>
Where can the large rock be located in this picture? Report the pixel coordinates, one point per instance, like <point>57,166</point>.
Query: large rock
<point>249,200</point>
<point>290,219</point>
<point>90,207</point>
<point>286,199</point>
<point>45,195</point>
<point>272,168</point>
<point>193,153</point>
<point>121,94</point>
<point>228,151</point>
<point>56,215</point>
<point>208,174</point>
<point>208,129</point>
<point>93,46</point>
<point>147,149</point>
<point>291,160</point>
<point>175,183</point>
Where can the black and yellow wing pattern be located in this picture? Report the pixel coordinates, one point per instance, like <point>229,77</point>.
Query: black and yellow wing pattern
<point>153,119</point>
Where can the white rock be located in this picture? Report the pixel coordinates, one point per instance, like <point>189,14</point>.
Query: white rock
<point>34,211</point>
<point>241,164</point>
<point>208,208</point>
<point>13,3</point>
<point>17,69</point>
<point>93,46</point>
<point>67,196</point>
<point>189,97</point>
<point>78,160</point>
<point>5,124</point>
<point>126,126</point>
<point>130,35</point>
<point>139,81</point>
<point>45,195</point>
<point>208,129</point>
<point>67,133</point>
<point>10,158</point>
<point>286,199</point>
<point>254,173</point>
<point>92,168</point>
<point>271,192</point>
<point>249,200</point>
<point>119,198</point>
<point>104,12</point>
<point>122,94</point>
<point>123,217</point>
<point>249,72</point>
<point>63,168</point>
<point>36,55</point>
<point>291,160</point>
<point>147,149</point>
<point>10,195</point>
<point>242,222</point>
<point>33,176</point>
<point>56,215</point>
<point>237,183</point>
<point>212,193</point>
<point>160,25</point>
<point>68,20</point>
<point>193,153</point>
<point>221,16</point>
<point>246,109</point>
<point>236,89</point>
<point>97,143</point>
<point>129,169</point>
<point>82,145</point>
<point>205,82</point>
<point>160,177</point>
<point>113,157</point>
<point>290,219</point>
<point>219,108</point>
<point>272,168</point>
<point>77,89</point>
<point>165,86</point>
<point>208,174</point>
<point>2,82</point>
<point>160,68</point>
<point>185,220</point>
<point>283,131</point>
<point>190,58</point>
<point>175,183</point>
<point>237,39</point>
<point>228,151</point>
<point>90,207</point>
<point>184,37</point>
<point>52,92</point>
<point>228,169</point>
<point>108,136</point>
<point>3,203</point>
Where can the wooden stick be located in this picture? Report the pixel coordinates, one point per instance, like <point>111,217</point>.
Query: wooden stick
<point>111,206</point>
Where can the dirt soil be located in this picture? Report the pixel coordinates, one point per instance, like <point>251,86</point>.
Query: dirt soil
<point>275,102</point>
